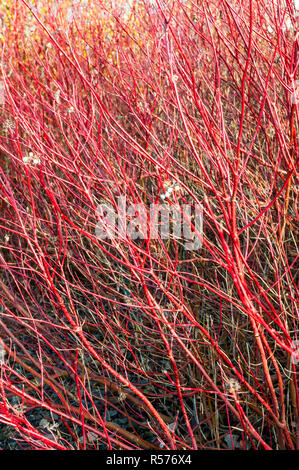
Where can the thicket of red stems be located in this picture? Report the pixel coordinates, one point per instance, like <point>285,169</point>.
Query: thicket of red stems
<point>142,344</point>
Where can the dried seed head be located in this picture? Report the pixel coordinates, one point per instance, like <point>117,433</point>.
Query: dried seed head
<point>122,396</point>
<point>44,423</point>
<point>19,409</point>
<point>232,386</point>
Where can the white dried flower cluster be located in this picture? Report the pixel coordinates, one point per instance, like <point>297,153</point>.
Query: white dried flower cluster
<point>8,125</point>
<point>29,30</point>
<point>232,386</point>
<point>122,396</point>
<point>294,97</point>
<point>31,158</point>
<point>2,92</point>
<point>45,424</point>
<point>169,187</point>
<point>94,76</point>
<point>57,96</point>
<point>2,353</point>
<point>288,25</point>
<point>71,110</point>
